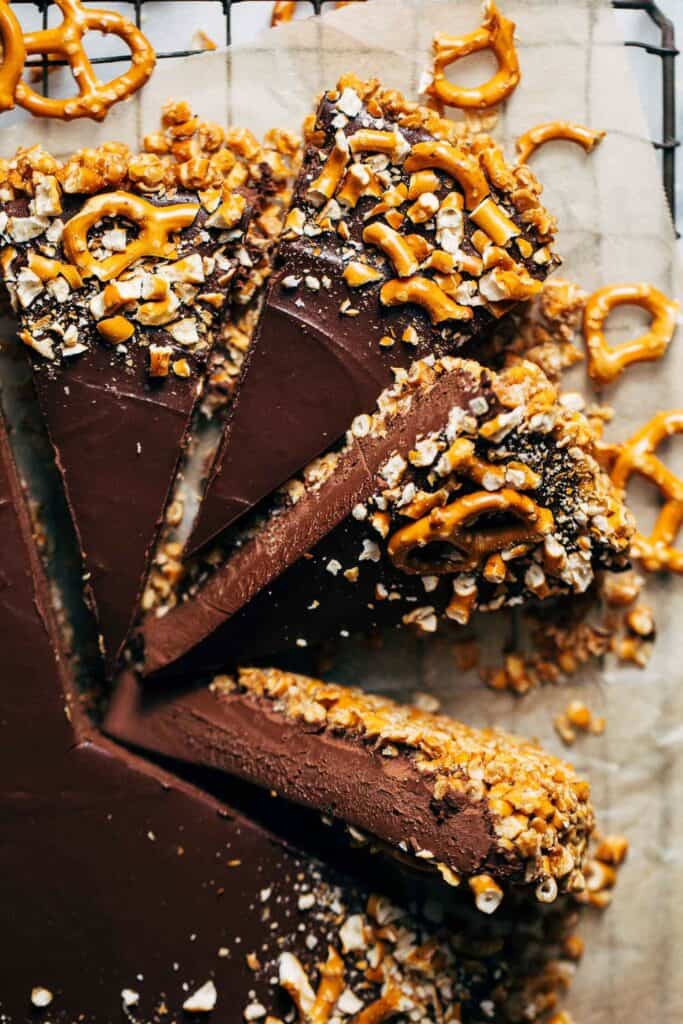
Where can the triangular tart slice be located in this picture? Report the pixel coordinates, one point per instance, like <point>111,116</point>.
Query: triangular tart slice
<point>406,237</point>
<point>119,267</point>
<point>466,490</point>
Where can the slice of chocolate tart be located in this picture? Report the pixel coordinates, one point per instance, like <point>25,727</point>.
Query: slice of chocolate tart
<point>130,894</point>
<point>466,490</point>
<point>406,237</point>
<point>457,799</point>
<point>119,267</point>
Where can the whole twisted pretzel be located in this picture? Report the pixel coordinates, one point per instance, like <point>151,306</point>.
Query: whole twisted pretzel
<point>156,223</point>
<point>66,41</point>
<point>13,56</point>
<point>637,456</point>
<point>453,525</point>
<point>606,362</point>
<point>496,33</point>
<point>551,131</point>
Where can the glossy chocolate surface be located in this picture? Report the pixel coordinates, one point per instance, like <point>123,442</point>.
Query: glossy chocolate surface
<point>113,874</point>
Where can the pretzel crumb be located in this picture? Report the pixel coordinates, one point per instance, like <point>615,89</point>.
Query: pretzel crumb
<point>601,871</point>
<point>577,717</point>
<point>382,961</point>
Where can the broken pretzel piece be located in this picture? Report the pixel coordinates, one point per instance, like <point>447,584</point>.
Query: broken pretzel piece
<point>606,362</point>
<point>455,526</point>
<point>553,131</point>
<point>637,455</point>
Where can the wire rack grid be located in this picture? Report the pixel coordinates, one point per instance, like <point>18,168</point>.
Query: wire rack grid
<point>665,51</point>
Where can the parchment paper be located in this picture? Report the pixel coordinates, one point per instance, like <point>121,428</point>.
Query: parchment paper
<point>614,225</point>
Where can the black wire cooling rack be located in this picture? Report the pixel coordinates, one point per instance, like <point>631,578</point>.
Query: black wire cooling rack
<point>666,51</point>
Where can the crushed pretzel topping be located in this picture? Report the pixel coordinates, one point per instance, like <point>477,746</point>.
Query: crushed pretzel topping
<point>157,241</point>
<point>577,717</point>
<point>383,962</point>
<point>423,210</point>
<point>517,780</point>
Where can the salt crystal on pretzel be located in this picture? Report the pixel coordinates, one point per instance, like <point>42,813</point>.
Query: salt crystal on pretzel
<point>119,266</point>
<point>465,490</point>
<point>486,810</point>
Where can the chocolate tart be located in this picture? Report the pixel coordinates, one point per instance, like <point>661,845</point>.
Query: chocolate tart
<point>406,237</point>
<point>119,267</point>
<point>432,790</point>
<point>130,894</point>
<point>466,490</point>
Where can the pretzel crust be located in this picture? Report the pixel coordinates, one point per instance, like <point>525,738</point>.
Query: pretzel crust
<point>452,525</point>
<point>156,224</point>
<point>496,33</point>
<point>606,362</point>
<point>66,40</point>
<point>551,131</point>
<point>13,56</point>
<point>656,552</point>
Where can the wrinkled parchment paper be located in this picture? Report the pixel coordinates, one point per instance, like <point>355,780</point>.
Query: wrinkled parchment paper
<point>614,226</point>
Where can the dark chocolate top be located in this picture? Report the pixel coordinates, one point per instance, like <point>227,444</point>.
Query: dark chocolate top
<point>125,890</point>
<point>113,874</point>
<point>326,345</point>
<point>119,313</point>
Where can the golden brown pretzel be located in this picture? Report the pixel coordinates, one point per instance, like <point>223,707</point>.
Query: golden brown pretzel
<point>453,525</point>
<point>606,362</point>
<point>283,10</point>
<point>425,292</point>
<point>462,166</point>
<point>66,42</point>
<point>13,55</point>
<point>637,456</point>
<point>496,33</point>
<point>551,131</point>
<point>156,223</point>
